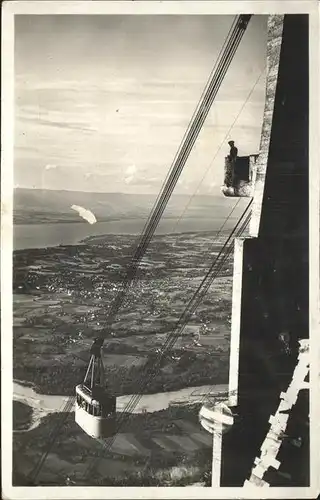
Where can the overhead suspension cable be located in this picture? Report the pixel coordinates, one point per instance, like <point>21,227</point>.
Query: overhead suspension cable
<point>153,367</point>
<point>62,417</point>
<point>176,169</point>
<point>209,166</point>
<point>206,282</point>
<point>152,370</point>
<point>125,415</point>
<point>200,100</point>
<point>233,40</point>
<point>219,149</point>
<point>200,292</point>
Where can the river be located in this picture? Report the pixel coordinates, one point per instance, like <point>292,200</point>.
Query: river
<point>43,404</point>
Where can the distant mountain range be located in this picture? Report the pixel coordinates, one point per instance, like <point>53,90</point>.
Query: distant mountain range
<point>50,206</point>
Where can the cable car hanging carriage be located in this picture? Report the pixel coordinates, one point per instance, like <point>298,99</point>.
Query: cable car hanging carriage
<point>239,176</point>
<point>95,409</point>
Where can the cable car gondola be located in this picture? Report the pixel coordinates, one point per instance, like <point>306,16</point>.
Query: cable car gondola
<point>239,176</point>
<point>95,409</point>
<point>99,425</point>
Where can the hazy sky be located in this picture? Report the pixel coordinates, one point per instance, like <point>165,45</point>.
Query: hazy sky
<point>102,102</point>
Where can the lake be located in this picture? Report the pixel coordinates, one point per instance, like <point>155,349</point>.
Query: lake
<point>73,233</point>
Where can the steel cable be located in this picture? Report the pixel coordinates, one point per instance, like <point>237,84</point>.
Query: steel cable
<point>172,337</point>
<point>166,192</point>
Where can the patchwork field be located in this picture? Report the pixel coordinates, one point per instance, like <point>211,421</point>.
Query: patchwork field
<point>58,311</point>
<point>61,301</point>
<point>161,448</point>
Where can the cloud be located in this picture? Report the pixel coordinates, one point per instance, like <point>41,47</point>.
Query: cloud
<point>50,166</point>
<point>65,103</point>
<point>130,174</point>
<point>85,214</point>
<point>131,170</point>
<point>52,123</point>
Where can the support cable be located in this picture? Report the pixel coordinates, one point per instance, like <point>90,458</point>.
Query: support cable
<point>176,170</point>
<point>220,147</point>
<point>231,46</point>
<point>153,367</point>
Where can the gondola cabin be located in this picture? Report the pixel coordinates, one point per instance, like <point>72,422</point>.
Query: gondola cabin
<point>95,414</point>
<point>239,176</point>
<point>95,409</point>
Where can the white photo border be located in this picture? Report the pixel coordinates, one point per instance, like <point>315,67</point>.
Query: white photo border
<point>154,7</point>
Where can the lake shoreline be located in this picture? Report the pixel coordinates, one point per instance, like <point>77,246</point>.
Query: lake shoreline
<point>48,235</point>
